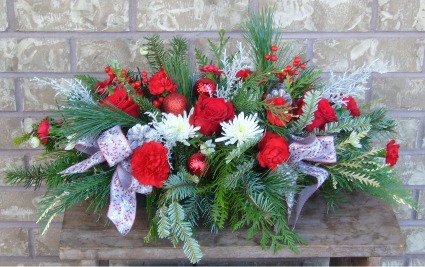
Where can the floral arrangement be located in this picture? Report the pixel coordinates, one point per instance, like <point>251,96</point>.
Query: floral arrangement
<point>244,142</point>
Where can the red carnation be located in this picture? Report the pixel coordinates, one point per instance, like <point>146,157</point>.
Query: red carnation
<point>102,87</point>
<point>391,156</point>
<point>123,101</point>
<point>211,68</point>
<point>43,131</point>
<point>209,112</point>
<point>274,150</point>
<point>280,119</point>
<point>243,74</point>
<point>351,105</point>
<point>160,82</point>
<point>205,86</point>
<point>150,164</point>
<point>324,114</point>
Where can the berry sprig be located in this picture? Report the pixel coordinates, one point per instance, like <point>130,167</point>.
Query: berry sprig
<point>272,56</point>
<point>291,70</point>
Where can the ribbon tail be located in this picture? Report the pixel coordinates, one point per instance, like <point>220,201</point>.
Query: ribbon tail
<point>122,206</point>
<point>86,164</point>
<point>320,174</point>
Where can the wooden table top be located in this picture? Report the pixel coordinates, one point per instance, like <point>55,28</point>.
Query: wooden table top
<point>362,227</point>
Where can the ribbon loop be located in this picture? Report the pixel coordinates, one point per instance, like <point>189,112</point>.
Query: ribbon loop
<point>113,147</point>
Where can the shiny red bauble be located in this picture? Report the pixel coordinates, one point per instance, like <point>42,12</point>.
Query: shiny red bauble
<point>175,103</point>
<point>196,164</point>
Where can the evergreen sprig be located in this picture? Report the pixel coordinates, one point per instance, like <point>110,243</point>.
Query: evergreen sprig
<point>85,119</point>
<point>259,32</point>
<point>311,100</point>
<point>361,123</point>
<point>93,187</point>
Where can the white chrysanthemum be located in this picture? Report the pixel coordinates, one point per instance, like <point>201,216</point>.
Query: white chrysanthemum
<point>208,147</point>
<point>174,128</point>
<point>139,134</point>
<point>240,129</point>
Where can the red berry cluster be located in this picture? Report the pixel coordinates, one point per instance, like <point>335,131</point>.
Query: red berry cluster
<point>291,70</point>
<point>158,102</point>
<point>119,79</point>
<point>272,56</point>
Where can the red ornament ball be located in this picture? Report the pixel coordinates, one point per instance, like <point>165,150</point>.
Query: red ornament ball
<point>205,86</point>
<point>196,164</point>
<point>175,103</point>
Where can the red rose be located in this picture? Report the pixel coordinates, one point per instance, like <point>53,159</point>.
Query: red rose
<point>324,114</point>
<point>274,150</point>
<point>205,86</point>
<point>391,156</point>
<point>43,131</point>
<point>123,101</point>
<point>209,112</point>
<point>160,82</point>
<point>243,74</point>
<point>150,164</point>
<point>351,105</point>
<point>211,68</point>
<point>280,119</point>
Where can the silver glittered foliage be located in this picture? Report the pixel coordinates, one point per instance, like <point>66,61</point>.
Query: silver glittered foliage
<point>240,61</point>
<point>350,84</point>
<point>71,89</point>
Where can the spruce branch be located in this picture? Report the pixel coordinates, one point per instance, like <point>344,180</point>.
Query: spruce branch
<point>361,123</point>
<point>311,100</point>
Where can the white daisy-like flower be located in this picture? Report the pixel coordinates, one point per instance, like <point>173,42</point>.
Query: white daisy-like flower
<point>174,128</point>
<point>208,147</point>
<point>240,130</point>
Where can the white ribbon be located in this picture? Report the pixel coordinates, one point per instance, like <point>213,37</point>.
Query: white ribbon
<point>113,147</point>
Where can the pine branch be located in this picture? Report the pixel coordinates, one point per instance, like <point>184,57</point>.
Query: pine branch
<point>94,187</point>
<point>46,173</point>
<point>260,34</point>
<point>85,119</point>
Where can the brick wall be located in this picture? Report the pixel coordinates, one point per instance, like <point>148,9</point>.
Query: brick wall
<point>58,38</point>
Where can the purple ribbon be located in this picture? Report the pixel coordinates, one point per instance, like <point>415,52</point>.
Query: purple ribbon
<point>113,147</point>
<point>311,148</point>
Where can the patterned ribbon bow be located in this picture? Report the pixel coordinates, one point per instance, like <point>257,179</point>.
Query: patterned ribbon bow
<point>113,147</point>
<point>311,148</point>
